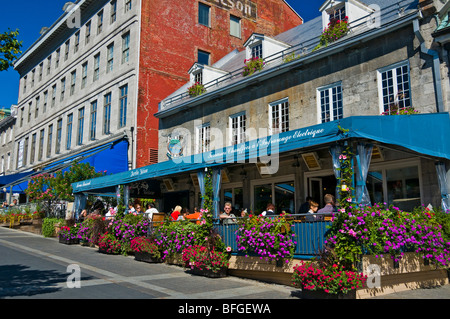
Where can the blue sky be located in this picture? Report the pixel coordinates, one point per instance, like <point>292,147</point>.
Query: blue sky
<point>29,16</point>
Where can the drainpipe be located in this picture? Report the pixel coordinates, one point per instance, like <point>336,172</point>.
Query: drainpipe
<point>436,67</point>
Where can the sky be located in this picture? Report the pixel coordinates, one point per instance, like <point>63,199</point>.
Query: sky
<point>29,16</point>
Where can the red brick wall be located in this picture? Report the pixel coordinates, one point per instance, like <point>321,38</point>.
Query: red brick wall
<point>170,38</point>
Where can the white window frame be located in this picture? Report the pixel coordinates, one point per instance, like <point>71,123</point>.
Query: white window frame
<point>332,102</point>
<point>393,68</point>
<point>241,134</point>
<point>282,104</point>
<point>203,138</point>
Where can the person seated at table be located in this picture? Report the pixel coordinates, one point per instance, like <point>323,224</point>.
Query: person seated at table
<point>176,212</point>
<point>227,217</point>
<point>151,209</point>
<point>329,204</point>
<point>195,215</point>
<point>270,210</point>
<point>311,215</point>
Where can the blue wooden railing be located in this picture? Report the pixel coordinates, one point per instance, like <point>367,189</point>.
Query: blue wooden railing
<point>310,237</point>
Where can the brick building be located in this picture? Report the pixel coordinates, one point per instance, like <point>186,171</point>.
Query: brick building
<point>92,81</point>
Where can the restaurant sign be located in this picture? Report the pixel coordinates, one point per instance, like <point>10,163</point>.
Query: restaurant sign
<point>246,7</point>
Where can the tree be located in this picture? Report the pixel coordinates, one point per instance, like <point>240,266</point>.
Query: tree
<point>9,49</point>
<point>49,188</point>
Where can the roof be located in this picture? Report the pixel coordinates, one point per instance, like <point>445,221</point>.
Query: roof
<point>302,39</point>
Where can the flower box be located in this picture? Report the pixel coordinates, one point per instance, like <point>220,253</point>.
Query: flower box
<point>320,294</point>
<point>222,272</point>
<point>146,257</point>
<point>68,241</point>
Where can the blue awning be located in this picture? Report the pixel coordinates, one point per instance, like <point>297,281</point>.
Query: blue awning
<point>411,132</point>
<point>111,157</point>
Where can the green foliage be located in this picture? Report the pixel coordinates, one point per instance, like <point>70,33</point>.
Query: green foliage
<point>336,29</point>
<point>196,89</point>
<point>48,226</point>
<point>253,65</point>
<point>9,49</point>
<point>208,197</point>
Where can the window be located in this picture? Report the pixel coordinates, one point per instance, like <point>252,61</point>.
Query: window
<point>63,88</point>
<point>53,95</point>
<point>397,184</point>
<point>203,14</point>
<point>24,84</point>
<point>41,67</point>
<point>110,62</point>
<point>58,55</point>
<point>84,70</point>
<point>80,126</point>
<point>73,77</point>
<point>44,109</point>
<point>99,22</point>
<point>235,26</point>
<point>127,5</point>
<point>126,47</point>
<point>96,67</point>
<point>234,195</point>
<point>22,112</point>
<point>279,192</point>
<point>113,11</point>
<point>41,145</point>
<point>394,88</point>
<point>36,113</point>
<point>203,57</point>
<point>337,13</point>
<point>69,131</point>
<point>49,64</point>
<point>330,103</point>
<point>107,114</point>
<point>198,77</point>
<point>88,32</point>
<point>29,112</point>
<point>25,152</point>
<point>203,138</point>
<point>238,127</point>
<point>93,123</point>
<point>123,106</point>
<point>257,51</point>
<point>58,136</point>
<point>279,116</point>
<point>49,140</point>
<point>66,54</point>
<point>77,42</point>
<point>33,148</point>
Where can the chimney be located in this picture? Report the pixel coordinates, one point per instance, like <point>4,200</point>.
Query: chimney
<point>427,6</point>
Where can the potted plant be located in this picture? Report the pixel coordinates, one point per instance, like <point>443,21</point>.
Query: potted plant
<point>327,281</point>
<point>253,65</point>
<point>108,244</point>
<point>207,262</point>
<point>335,30</point>
<point>196,89</point>
<point>145,249</point>
<point>69,235</point>
<point>270,238</point>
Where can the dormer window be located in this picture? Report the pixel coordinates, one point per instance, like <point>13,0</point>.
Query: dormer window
<point>257,51</point>
<point>198,77</point>
<point>337,13</point>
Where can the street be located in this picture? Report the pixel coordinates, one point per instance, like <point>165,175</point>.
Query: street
<point>32,266</point>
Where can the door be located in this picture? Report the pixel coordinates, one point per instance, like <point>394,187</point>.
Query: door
<point>316,190</point>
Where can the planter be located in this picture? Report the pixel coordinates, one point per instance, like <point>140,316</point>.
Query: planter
<point>104,251</point>
<point>145,257</point>
<point>320,294</point>
<point>209,273</point>
<point>71,241</point>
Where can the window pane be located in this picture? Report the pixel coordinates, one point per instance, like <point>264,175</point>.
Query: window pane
<point>203,14</point>
<point>375,186</point>
<point>285,198</point>
<point>403,187</point>
<point>263,196</point>
<point>235,26</point>
<point>203,57</point>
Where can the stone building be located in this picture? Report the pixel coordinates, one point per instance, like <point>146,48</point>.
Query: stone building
<point>276,135</point>
<point>92,81</point>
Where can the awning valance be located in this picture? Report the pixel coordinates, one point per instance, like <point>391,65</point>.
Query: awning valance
<point>421,133</point>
